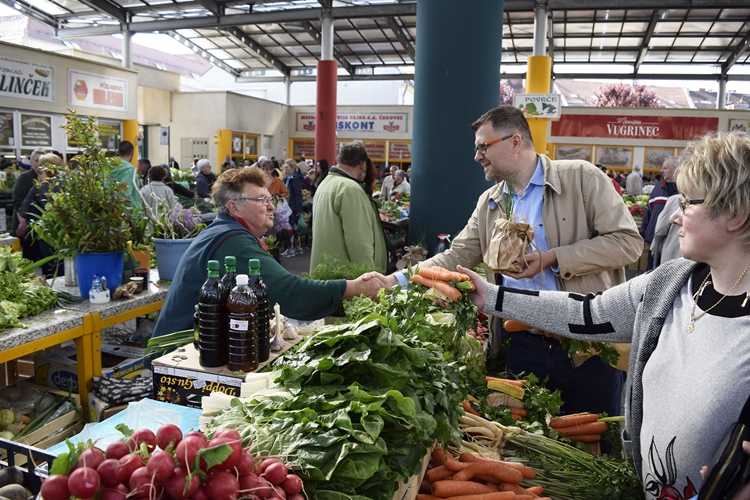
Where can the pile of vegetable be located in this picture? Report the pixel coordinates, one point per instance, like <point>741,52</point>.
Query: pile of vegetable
<point>357,406</point>
<point>19,297</point>
<point>391,211</point>
<point>183,467</point>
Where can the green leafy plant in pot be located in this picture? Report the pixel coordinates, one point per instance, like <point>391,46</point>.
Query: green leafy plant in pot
<point>89,214</point>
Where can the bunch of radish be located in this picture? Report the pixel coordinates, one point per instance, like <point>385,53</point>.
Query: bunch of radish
<point>189,467</point>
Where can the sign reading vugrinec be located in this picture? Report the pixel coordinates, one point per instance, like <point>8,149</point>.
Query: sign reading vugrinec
<point>26,80</point>
<point>97,91</point>
<point>538,105</point>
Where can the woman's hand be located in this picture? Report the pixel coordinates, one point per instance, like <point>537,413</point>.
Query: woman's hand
<point>480,294</point>
<point>368,284</point>
<point>744,493</point>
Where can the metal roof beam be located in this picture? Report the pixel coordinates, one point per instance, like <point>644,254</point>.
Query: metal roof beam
<point>315,33</point>
<point>108,8</point>
<point>396,28</point>
<point>259,49</point>
<point>647,39</point>
<point>213,7</point>
<point>736,54</point>
<point>32,12</point>
<point>226,21</point>
<point>528,5</point>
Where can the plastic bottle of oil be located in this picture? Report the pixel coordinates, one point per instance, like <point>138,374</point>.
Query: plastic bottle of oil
<point>212,334</point>
<point>263,312</point>
<point>243,332</point>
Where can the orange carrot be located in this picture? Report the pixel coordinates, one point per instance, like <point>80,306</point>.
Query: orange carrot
<point>426,486</point>
<point>455,465</point>
<point>523,497</point>
<point>468,457</point>
<point>441,274</point>
<point>521,411</point>
<point>446,289</point>
<point>515,488</point>
<point>486,478</point>
<point>439,455</point>
<point>526,472</point>
<point>586,438</point>
<point>517,383</point>
<point>580,430</point>
<point>512,325</point>
<point>576,419</point>
<point>452,488</point>
<point>535,490</point>
<point>468,408</point>
<point>493,486</point>
<point>492,468</point>
<point>438,473</point>
<point>501,495</point>
<point>424,496</point>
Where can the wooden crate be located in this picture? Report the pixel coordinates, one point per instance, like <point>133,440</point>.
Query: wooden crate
<point>409,490</point>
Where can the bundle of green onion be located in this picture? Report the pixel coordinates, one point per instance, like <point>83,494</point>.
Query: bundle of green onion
<point>160,346</point>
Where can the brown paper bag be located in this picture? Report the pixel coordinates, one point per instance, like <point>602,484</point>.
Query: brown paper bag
<point>508,241</point>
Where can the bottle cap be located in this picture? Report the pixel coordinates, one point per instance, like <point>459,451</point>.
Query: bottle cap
<point>229,260</point>
<point>213,265</point>
<point>254,264</point>
<point>241,279</point>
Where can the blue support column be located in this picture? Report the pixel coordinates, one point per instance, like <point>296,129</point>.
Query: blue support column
<point>457,79</point>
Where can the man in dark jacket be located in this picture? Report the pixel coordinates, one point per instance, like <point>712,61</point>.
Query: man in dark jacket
<point>659,196</point>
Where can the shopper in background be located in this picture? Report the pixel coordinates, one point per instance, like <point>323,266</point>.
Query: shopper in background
<point>173,163</point>
<point>205,179</point>
<point>194,167</point>
<point>293,183</point>
<point>634,182</point>
<point>388,183</point>
<point>666,233</point>
<point>245,213</point>
<point>144,165</point>
<point>228,159</point>
<point>126,172</point>
<point>23,185</point>
<point>273,183</point>
<point>656,202</point>
<point>157,196</point>
<point>321,167</point>
<point>176,187</point>
<point>347,224</point>
<point>611,174</point>
<point>583,238</point>
<point>687,321</point>
<point>400,184</point>
<point>370,179</point>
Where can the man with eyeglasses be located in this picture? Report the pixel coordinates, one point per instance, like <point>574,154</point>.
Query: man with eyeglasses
<point>659,196</point>
<point>584,236</point>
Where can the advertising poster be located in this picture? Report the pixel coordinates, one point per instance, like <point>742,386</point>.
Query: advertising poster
<point>6,129</point>
<point>681,128</point>
<point>26,80</point>
<point>97,91</point>
<point>359,122</point>
<point>36,131</point>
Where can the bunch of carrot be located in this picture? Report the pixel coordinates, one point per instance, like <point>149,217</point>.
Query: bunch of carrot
<point>581,427</point>
<point>510,390</point>
<point>473,477</point>
<point>449,283</point>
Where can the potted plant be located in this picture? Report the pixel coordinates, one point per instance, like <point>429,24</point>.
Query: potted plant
<point>89,215</point>
<point>174,230</point>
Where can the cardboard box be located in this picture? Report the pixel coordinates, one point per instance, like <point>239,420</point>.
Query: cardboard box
<point>180,379</point>
<point>100,410</point>
<point>409,490</point>
<point>57,367</point>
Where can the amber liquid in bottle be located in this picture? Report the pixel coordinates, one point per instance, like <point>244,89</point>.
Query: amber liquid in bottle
<point>243,332</point>
<point>212,331</point>
<point>263,312</point>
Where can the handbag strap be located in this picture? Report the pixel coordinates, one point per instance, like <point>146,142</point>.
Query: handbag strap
<point>745,414</point>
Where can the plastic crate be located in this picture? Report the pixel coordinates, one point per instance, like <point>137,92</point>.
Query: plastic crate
<point>22,457</point>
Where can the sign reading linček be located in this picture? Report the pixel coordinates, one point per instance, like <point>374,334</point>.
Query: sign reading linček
<point>26,80</point>
<point>538,105</point>
<point>359,122</point>
<point>97,91</point>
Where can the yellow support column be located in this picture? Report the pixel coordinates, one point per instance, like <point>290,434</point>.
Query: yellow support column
<point>223,148</point>
<point>130,133</point>
<point>538,76</point>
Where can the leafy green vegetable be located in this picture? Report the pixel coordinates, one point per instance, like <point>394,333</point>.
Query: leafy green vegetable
<point>604,350</point>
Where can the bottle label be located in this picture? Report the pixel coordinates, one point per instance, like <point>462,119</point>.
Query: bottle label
<point>236,324</point>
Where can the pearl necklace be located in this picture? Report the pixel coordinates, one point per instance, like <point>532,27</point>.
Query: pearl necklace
<point>693,318</point>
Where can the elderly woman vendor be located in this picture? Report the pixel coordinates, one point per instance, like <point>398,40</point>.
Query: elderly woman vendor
<point>688,321</point>
<point>245,214</point>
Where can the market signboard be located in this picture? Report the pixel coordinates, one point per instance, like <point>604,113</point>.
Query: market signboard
<point>27,80</point>
<point>304,148</point>
<point>359,122</point>
<point>36,131</point>
<point>400,151</point>
<point>538,105</point>
<point>6,129</point>
<point>375,150</point>
<point>681,128</point>
<point>97,91</point>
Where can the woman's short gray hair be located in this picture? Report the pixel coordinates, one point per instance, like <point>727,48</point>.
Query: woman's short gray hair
<point>717,169</point>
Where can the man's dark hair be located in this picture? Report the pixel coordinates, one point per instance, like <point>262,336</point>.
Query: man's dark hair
<point>505,120</point>
<point>352,154</point>
<point>157,173</point>
<point>125,149</point>
<point>145,161</point>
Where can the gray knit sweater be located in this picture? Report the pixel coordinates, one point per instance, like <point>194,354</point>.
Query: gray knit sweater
<point>631,312</point>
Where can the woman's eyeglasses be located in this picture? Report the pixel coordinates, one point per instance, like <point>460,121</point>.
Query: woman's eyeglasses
<point>684,203</point>
<point>265,200</point>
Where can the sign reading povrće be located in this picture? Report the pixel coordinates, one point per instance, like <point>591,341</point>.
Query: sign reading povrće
<point>538,105</point>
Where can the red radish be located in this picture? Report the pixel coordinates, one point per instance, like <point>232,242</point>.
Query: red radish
<point>223,485</point>
<point>198,434</point>
<point>130,463</point>
<point>56,488</point>
<point>143,485</point>
<point>83,482</point>
<point>188,448</point>
<point>276,473</point>
<point>117,450</point>
<point>292,484</point>
<point>200,494</point>
<point>248,482</point>
<point>234,459</point>
<point>230,433</point>
<point>161,464</point>
<point>110,494</point>
<point>264,488</point>
<point>90,457</point>
<point>111,473</point>
<point>246,465</point>
<point>142,436</point>
<point>168,434</point>
<point>277,494</point>
<point>295,496</point>
<point>175,484</point>
<point>266,463</point>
